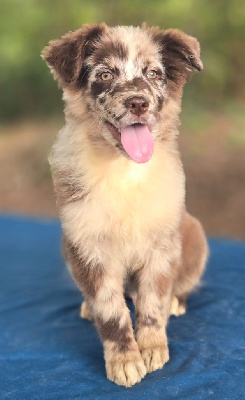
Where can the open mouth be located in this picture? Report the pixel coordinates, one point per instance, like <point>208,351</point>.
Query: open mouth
<point>136,140</point>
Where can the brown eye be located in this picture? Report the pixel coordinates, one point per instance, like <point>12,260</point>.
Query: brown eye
<point>151,74</point>
<point>106,76</point>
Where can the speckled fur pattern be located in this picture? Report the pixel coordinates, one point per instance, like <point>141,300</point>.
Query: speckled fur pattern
<point>126,231</point>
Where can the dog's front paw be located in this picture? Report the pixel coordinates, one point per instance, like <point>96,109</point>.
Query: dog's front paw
<point>155,357</point>
<point>126,372</point>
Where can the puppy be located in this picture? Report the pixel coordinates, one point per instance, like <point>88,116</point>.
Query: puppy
<point>120,185</point>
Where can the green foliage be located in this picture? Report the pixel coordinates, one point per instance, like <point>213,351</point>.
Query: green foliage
<point>26,26</point>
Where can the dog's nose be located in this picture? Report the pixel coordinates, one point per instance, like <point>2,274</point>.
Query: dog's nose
<point>137,105</point>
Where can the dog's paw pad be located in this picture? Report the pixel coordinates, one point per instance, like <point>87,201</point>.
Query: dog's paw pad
<point>177,308</point>
<point>85,311</point>
<point>126,373</point>
<point>155,358</point>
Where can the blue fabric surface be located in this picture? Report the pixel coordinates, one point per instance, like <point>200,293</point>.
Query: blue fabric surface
<point>48,352</point>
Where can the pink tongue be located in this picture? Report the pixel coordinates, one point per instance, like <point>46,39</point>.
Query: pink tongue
<point>137,142</point>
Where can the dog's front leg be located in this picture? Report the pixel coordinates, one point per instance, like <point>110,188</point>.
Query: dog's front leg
<point>104,293</point>
<point>152,311</point>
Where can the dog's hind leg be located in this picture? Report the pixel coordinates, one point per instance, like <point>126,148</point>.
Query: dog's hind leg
<point>193,261</point>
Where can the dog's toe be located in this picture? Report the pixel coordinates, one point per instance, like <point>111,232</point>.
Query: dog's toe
<point>177,308</point>
<point>85,311</point>
<point>155,358</point>
<point>126,373</point>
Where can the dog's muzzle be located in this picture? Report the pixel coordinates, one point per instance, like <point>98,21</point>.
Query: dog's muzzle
<point>137,105</point>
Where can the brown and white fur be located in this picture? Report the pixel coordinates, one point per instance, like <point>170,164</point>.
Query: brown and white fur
<point>126,231</point>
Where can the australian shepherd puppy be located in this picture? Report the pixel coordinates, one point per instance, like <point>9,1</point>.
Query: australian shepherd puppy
<point>120,185</point>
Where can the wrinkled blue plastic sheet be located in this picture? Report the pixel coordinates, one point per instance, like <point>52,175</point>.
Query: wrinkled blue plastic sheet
<point>48,352</point>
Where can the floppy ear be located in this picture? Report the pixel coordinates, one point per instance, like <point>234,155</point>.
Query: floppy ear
<point>66,55</point>
<point>180,54</point>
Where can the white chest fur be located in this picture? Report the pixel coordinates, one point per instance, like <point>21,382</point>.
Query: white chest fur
<point>128,205</point>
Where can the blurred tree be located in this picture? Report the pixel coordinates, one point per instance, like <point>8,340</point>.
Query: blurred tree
<point>27,25</point>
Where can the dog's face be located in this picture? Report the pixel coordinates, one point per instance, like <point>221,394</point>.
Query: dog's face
<point>126,76</point>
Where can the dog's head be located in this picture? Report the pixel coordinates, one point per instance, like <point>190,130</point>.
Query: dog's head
<point>126,76</point>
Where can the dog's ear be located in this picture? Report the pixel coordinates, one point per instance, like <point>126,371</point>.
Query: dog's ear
<point>180,54</point>
<point>66,55</point>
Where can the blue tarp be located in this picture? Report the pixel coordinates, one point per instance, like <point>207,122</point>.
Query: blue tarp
<point>48,352</point>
